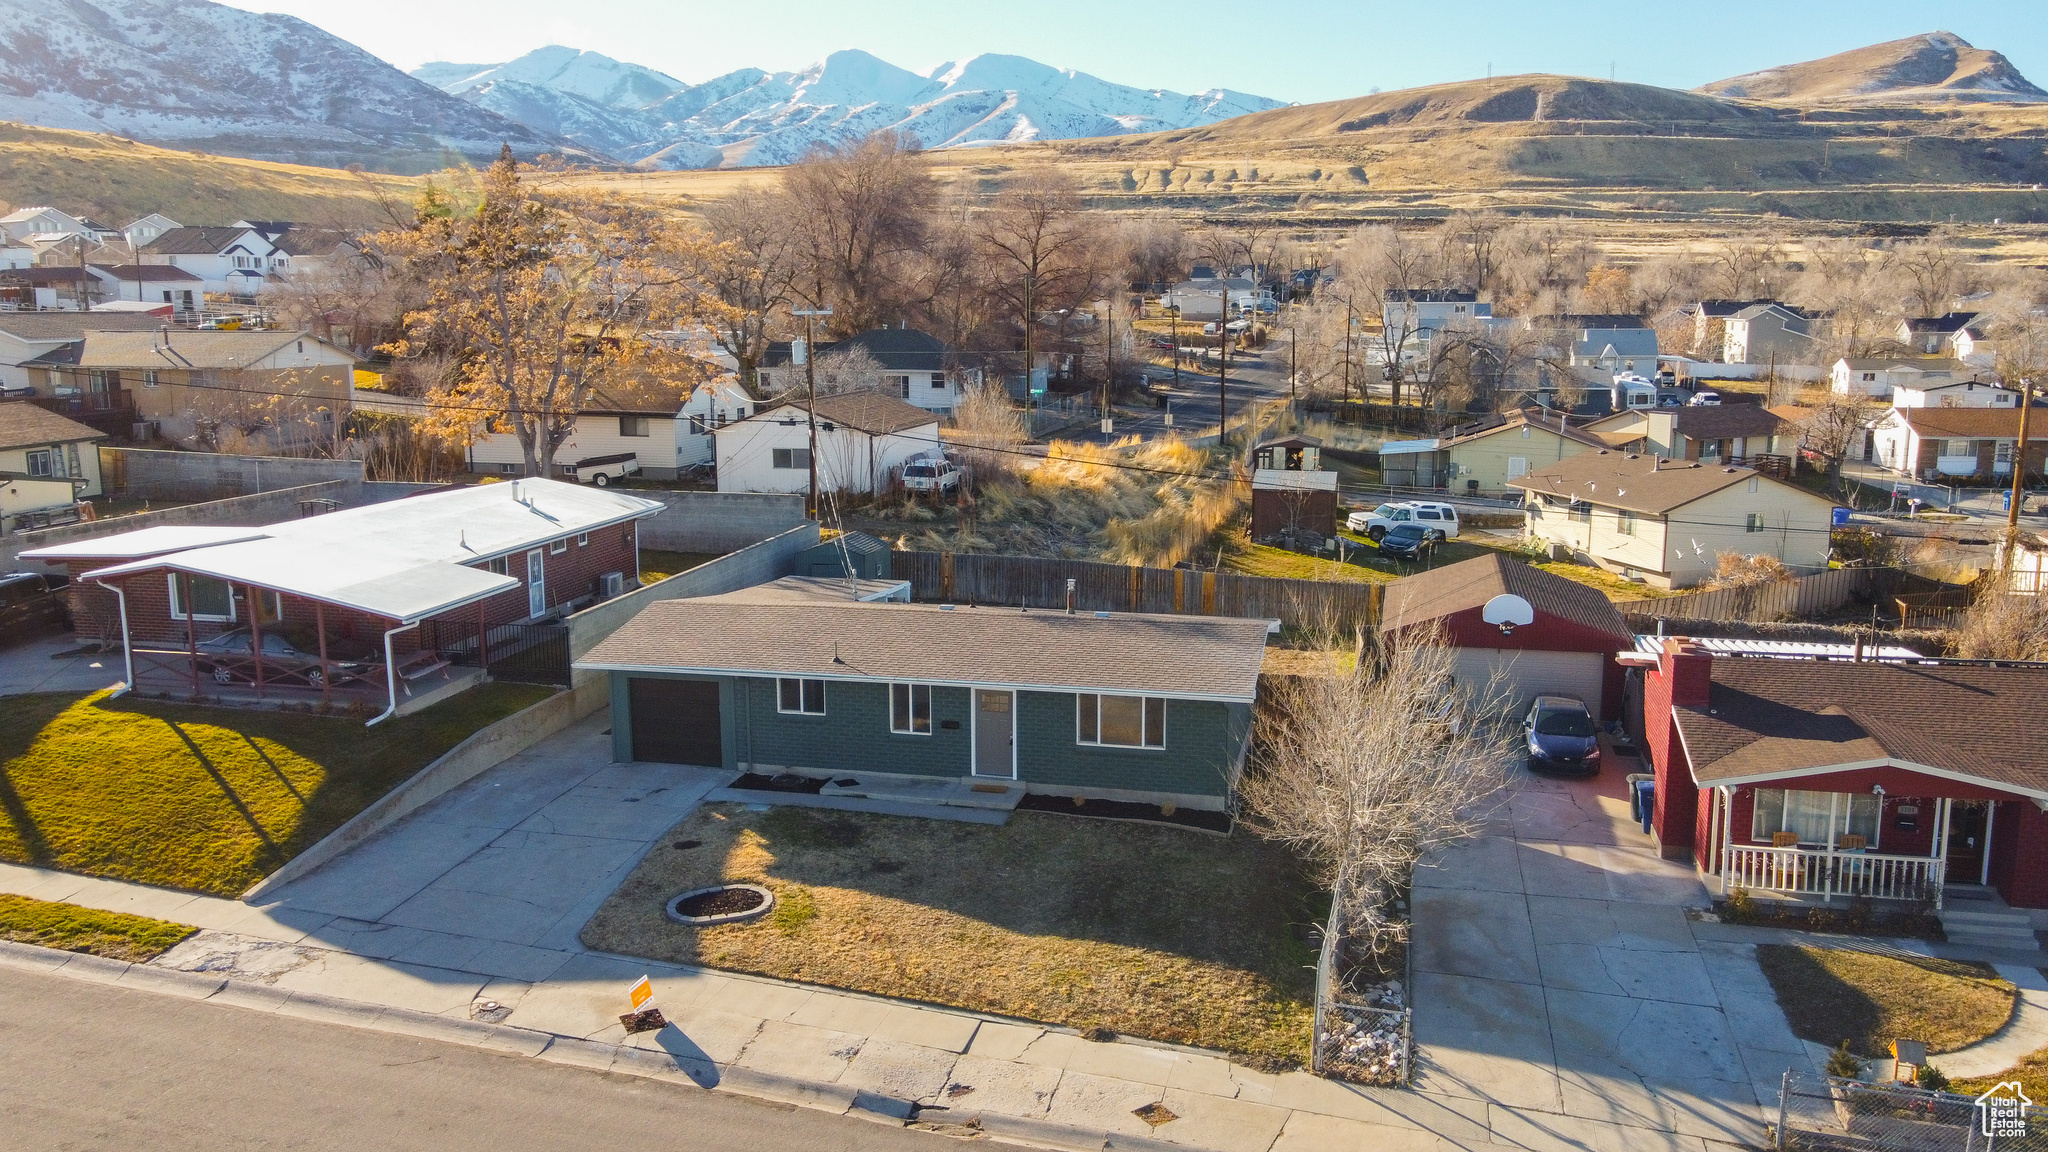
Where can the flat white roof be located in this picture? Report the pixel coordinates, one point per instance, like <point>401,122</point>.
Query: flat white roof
<point>404,559</point>
<point>1403,447</point>
<point>146,542</point>
<point>1790,649</point>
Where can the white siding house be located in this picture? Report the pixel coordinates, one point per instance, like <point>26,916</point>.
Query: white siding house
<point>908,364</point>
<point>864,439</point>
<point>649,438</point>
<point>1954,394</point>
<point>712,406</point>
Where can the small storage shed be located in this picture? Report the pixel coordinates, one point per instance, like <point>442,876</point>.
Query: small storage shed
<point>868,557</point>
<point>1538,633</point>
<point>1291,493</point>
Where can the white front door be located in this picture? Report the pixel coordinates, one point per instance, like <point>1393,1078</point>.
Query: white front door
<point>536,584</point>
<point>1518,466</point>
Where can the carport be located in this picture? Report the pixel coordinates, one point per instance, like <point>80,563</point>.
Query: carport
<point>1520,627</point>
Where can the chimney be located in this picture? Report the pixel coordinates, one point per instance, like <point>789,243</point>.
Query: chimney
<point>1688,669</point>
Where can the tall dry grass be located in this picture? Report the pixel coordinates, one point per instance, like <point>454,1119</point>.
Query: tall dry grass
<point>1155,504</point>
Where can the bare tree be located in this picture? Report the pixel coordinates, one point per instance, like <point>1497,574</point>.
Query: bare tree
<point>862,212</point>
<point>990,432</point>
<point>1366,769</point>
<point>1383,269</point>
<point>1155,250</point>
<point>1472,242</point>
<point>1931,273</point>
<point>1043,254</point>
<point>1748,267</point>
<point>752,269</point>
<point>1836,428</point>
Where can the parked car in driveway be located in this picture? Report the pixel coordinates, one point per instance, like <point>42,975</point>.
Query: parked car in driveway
<point>31,603</point>
<point>1430,514</point>
<point>227,658</point>
<point>1409,541</point>
<point>1560,736</point>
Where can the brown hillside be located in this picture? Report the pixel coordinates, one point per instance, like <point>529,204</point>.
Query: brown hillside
<point>116,180</point>
<point>1501,100</point>
<point>1938,66</point>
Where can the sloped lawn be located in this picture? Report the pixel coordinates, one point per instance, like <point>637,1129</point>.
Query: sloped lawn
<point>204,799</point>
<point>1145,930</point>
<point>1833,994</point>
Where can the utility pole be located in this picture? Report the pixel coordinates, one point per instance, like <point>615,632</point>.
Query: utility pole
<point>811,401</point>
<point>1174,313</point>
<point>1108,360</point>
<point>1223,368</point>
<point>2019,476</point>
<point>84,305</point>
<point>1347,347</point>
<point>1293,371</point>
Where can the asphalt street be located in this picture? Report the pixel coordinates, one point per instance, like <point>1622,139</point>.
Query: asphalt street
<point>86,1066</point>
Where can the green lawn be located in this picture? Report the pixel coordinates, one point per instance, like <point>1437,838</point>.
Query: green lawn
<point>74,929</point>
<point>204,799</point>
<point>658,565</point>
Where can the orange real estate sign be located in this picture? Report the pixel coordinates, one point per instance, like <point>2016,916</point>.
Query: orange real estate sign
<point>642,992</point>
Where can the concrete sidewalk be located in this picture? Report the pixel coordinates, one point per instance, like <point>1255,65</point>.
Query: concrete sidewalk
<point>461,922</point>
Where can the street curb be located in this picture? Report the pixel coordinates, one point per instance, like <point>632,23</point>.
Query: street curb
<point>573,1051</point>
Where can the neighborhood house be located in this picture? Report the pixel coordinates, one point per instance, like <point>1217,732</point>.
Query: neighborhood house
<point>400,602</point>
<point>1902,781</point>
<point>1117,706</point>
<point>1666,522</point>
<point>864,439</point>
<point>903,362</point>
<point>47,465</point>
<point>1950,442</point>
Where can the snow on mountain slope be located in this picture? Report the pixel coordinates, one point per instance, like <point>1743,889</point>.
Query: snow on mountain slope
<point>589,76</point>
<point>194,74</point>
<point>751,117</point>
<point>612,131</point>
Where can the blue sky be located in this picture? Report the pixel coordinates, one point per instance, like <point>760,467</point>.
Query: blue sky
<point>1299,50</point>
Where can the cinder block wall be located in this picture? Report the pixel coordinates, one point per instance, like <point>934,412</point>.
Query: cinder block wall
<point>154,474</point>
<point>718,521</point>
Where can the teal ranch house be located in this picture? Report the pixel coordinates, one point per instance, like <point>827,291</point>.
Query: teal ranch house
<point>1130,707</point>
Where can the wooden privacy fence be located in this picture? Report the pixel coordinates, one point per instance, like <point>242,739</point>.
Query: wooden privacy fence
<point>1034,582</point>
<point>1762,603</point>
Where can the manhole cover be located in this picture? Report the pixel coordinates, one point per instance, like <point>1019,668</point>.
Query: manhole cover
<point>720,904</point>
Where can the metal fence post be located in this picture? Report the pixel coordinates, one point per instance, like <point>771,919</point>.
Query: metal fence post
<point>1784,1097</point>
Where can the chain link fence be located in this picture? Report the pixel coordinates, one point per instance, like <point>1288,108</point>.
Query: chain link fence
<point>1826,1114</point>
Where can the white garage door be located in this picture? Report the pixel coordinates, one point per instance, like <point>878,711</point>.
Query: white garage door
<point>1523,676</point>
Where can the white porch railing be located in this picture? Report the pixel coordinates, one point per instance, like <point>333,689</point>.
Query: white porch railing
<point>1815,872</point>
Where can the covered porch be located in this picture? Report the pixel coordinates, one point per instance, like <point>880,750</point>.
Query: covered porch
<point>1812,840</point>
<point>271,624</point>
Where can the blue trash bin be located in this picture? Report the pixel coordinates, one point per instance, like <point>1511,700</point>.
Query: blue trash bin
<point>1645,802</point>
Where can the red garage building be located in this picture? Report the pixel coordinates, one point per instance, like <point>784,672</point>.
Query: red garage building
<point>1548,635</point>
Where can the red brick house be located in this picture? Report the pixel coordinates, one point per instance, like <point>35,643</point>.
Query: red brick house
<point>1566,646</point>
<point>1894,780</point>
<point>398,602</point>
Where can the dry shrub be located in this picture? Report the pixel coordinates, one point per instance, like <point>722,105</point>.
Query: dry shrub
<point>1735,570</point>
<point>2004,626</point>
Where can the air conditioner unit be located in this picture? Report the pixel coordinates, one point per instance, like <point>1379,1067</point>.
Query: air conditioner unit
<point>614,583</point>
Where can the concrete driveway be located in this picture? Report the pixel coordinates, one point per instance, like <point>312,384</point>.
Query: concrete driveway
<point>46,664</point>
<point>499,876</point>
<point>1557,979</point>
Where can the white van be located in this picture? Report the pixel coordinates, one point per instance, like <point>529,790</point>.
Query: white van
<point>1429,514</point>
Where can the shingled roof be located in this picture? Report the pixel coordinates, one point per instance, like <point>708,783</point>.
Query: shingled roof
<point>24,425</point>
<point>1767,719</point>
<point>869,411</point>
<point>1185,657</point>
<point>1428,596</point>
<point>1718,421</point>
<point>1634,481</point>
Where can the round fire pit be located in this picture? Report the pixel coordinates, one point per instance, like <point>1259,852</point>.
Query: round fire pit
<point>720,904</point>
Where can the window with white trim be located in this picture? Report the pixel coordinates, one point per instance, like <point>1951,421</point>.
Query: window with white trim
<point>790,458</point>
<point>1625,523</point>
<point>39,462</point>
<point>633,426</point>
<point>1808,815</point>
<point>802,697</point>
<point>1120,721</point>
<point>1754,522</point>
<point>557,547</point>
<point>211,599</point>
<point>583,539</point>
<point>910,709</point>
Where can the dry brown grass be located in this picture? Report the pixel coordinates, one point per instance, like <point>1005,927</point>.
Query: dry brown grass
<point>1149,931</point>
<point>1830,995</point>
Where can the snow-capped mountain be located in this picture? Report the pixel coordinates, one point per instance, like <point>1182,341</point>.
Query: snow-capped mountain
<point>589,76</point>
<point>194,74</point>
<point>751,117</point>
